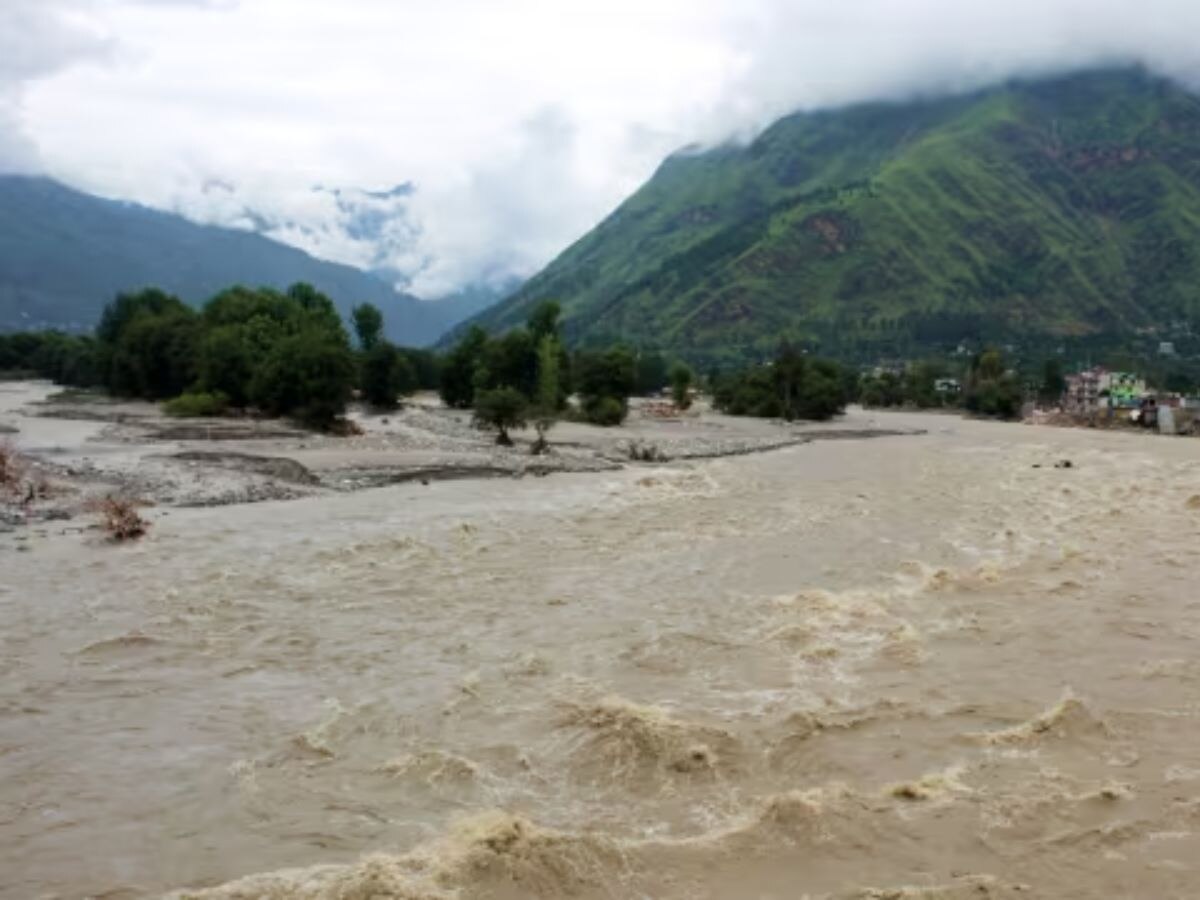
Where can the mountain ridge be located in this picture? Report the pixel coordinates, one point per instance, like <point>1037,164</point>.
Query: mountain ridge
<point>1046,209</point>
<point>64,254</point>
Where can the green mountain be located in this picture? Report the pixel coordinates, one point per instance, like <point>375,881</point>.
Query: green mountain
<point>65,254</point>
<point>1034,210</point>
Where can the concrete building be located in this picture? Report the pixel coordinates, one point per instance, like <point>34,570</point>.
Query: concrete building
<point>1097,388</point>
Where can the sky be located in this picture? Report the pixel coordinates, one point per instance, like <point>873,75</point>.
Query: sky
<point>462,142</point>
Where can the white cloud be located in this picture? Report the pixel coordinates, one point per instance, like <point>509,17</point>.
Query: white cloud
<point>521,122</point>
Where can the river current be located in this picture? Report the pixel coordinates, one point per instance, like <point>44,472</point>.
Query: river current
<point>926,666</point>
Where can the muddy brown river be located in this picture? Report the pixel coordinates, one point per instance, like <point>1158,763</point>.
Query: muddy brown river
<point>932,666</point>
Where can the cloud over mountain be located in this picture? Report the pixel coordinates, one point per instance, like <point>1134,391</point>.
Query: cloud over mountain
<point>518,125</point>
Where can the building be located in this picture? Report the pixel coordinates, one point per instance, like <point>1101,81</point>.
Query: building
<point>1097,388</point>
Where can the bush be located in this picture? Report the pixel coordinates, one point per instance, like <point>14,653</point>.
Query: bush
<point>120,518</point>
<point>197,405</point>
<point>604,411</point>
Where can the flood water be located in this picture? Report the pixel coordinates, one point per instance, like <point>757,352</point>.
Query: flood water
<point>920,666</point>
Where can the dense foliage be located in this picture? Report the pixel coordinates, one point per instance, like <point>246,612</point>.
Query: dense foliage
<point>62,358</point>
<point>500,409</point>
<point>988,386</point>
<point>992,388</point>
<point>791,386</point>
<point>486,373</point>
<point>605,380</point>
<point>1052,210</point>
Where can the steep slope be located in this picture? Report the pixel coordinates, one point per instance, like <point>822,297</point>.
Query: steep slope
<point>1067,206</point>
<point>64,254</point>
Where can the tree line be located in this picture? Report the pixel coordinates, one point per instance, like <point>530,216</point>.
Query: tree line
<point>987,386</point>
<point>790,386</point>
<point>288,353</point>
<point>284,353</point>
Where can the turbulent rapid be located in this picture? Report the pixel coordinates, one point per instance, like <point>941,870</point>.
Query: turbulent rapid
<point>920,666</point>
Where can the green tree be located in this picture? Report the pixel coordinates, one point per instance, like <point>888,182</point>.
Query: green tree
<point>681,385</point>
<point>605,381</point>
<point>549,390</point>
<point>426,366</point>
<point>318,309</point>
<point>501,409</point>
<point>991,389</point>
<point>789,368</point>
<point>368,325</point>
<point>155,355</point>
<point>919,384</point>
<point>228,357</point>
<point>792,387</point>
<point>386,376</point>
<point>509,361</point>
<point>652,373</point>
<point>820,395</point>
<point>308,375</point>
<point>543,321</point>
<point>457,386</point>
<point>1054,385</point>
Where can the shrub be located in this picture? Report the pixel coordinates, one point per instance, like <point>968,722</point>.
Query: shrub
<point>120,518</point>
<point>197,405</point>
<point>639,452</point>
<point>604,411</point>
<point>10,467</point>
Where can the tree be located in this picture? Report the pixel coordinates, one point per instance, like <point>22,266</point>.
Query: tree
<point>320,309</point>
<point>228,357</point>
<point>457,386</point>
<point>543,321</point>
<point>386,375</point>
<point>789,369</point>
<point>155,355</point>
<point>549,391</point>
<point>309,375</point>
<point>820,395</point>
<point>501,409</point>
<point>792,387</point>
<point>605,380</point>
<point>1054,385</point>
<point>681,385</point>
<point>152,359</point>
<point>652,374</point>
<point>368,325</point>
<point>426,366</point>
<point>991,389</point>
<point>509,361</point>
